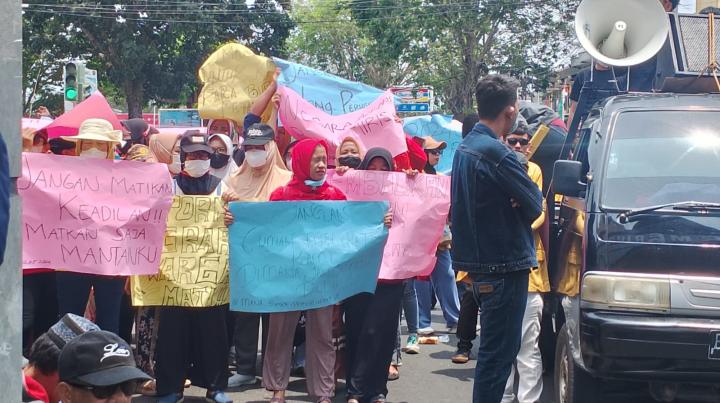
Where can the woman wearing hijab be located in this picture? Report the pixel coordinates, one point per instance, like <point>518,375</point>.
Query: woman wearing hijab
<point>193,337</point>
<point>309,164</point>
<point>166,149</point>
<point>136,131</point>
<point>349,154</point>
<point>221,165</point>
<point>371,321</point>
<point>96,139</point>
<point>262,172</point>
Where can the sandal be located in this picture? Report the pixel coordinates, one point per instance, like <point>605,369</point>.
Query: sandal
<point>324,400</point>
<point>393,373</point>
<point>277,400</point>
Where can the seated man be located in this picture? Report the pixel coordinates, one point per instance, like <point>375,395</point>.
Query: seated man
<point>41,372</point>
<point>97,367</point>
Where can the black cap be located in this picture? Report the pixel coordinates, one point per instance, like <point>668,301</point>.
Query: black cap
<point>192,141</point>
<point>258,134</point>
<point>98,358</point>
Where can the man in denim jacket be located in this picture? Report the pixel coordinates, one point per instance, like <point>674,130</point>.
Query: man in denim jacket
<point>494,203</point>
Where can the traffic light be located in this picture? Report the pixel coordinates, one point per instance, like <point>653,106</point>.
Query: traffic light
<point>74,77</point>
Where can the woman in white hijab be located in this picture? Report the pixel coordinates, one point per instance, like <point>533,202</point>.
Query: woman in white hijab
<point>221,163</point>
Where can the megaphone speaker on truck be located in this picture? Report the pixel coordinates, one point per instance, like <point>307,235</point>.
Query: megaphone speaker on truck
<point>621,33</point>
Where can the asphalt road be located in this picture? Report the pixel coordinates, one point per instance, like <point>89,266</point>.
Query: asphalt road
<point>428,377</point>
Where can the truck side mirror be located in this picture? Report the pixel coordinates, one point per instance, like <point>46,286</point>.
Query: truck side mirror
<point>566,178</point>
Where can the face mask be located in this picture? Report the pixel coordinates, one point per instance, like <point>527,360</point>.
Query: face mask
<point>37,149</point>
<point>218,160</point>
<point>175,166</point>
<point>256,158</point>
<point>315,184</point>
<point>350,161</point>
<point>94,153</point>
<point>197,168</point>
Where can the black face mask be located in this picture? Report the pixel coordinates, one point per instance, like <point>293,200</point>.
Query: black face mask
<point>218,160</point>
<point>350,161</point>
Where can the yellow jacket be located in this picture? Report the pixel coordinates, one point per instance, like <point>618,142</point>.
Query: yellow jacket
<point>539,278</point>
<point>570,282</point>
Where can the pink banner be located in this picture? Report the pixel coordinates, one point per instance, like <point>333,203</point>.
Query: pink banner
<point>420,208</point>
<point>373,126</point>
<point>93,216</point>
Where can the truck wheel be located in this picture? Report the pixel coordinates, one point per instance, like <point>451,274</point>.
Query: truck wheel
<point>572,384</point>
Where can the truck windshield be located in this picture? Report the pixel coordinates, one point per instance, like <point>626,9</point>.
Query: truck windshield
<point>660,157</point>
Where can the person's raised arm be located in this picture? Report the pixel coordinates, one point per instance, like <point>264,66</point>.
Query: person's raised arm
<point>261,103</point>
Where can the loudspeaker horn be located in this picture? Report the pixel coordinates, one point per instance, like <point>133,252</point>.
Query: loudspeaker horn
<point>621,32</point>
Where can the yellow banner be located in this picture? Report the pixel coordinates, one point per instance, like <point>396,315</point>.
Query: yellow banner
<point>232,78</point>
<point>194,263</point>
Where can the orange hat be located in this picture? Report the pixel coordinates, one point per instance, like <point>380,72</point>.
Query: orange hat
<point>432,144</point>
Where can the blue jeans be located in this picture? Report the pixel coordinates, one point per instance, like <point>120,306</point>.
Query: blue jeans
<point>502,300</point>
<point>410,306</point>
<point>442,280</point>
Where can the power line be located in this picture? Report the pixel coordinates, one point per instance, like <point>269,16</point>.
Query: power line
<point>117,15</point>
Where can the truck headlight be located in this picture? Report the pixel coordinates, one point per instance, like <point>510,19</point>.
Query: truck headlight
<point>626,292</point>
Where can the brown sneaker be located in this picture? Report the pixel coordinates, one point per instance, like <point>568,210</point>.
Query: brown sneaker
<point>461,357</point>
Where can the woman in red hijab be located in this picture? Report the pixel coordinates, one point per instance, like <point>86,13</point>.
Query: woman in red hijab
<point>309,166</point>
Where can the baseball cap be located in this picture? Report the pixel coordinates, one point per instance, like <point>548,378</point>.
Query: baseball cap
<point>192,141</point>
<point>258,134</point>
<point>69,327</point>
<point>430,143</point>
<point>98,358</point>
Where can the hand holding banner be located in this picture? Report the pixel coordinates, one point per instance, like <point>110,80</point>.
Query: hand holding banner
<point>294,256</point>
<point>93,216</point>
<point>194,262</point>
<point>441,128</point>
<point>420,207</point>
<point>372,126</point>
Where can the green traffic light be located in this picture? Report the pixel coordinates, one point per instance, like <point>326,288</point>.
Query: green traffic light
<point>71,94</point>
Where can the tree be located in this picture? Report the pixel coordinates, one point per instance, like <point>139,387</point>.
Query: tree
<point>448,44</point>
<point>151,51</point>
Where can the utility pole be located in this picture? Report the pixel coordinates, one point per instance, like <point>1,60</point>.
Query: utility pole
<point>11,283</point>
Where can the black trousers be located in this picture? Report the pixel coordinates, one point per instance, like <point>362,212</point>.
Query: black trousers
<point>467,322</point>
<point>245,340</point>
<point>371,326</point>
<point>73,290</point>
<point>40,306</point>
<point>192,342</point>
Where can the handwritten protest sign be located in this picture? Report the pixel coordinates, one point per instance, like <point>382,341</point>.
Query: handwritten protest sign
<point>441,128</point>
<point>194,262</point>
<point>93,216</point>
<point>290,256</point>
<point>332,94</point>
<point>373,126</point>
<point>420,209</point>
<point>232,77</point>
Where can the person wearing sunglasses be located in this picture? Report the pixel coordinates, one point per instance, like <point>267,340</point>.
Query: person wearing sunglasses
<point>98,367</point>
<point>528,363</point>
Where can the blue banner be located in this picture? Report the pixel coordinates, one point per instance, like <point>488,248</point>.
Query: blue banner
<point>332,94</point>
<point>294,256</point>
<point>441,128</point>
